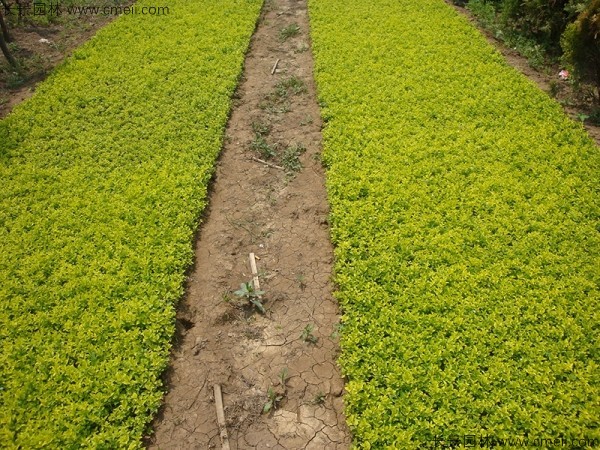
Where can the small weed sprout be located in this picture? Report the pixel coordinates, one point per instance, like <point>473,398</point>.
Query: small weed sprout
<point>264,149</point>
<point>225,297</point>
<point>288,32</point>
<point>301,281</point>
<point>290,159</point>
<point>583,117</point>
<point>260,144</point>
<point>307,334</point>
<point>248,292</point>
<point>319,398</point>
<point>273,103</point>
<point>261,128</point>
<point>293,84</point>
<point>273,400</point>
<point>275,397</point>
<point>276,102</point>
<point>338,327</point>
<point>283,377</point>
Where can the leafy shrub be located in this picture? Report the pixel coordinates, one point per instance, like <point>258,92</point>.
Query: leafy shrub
<point>465,217</point>
<point>581,45</point>
<point>532,27</point>
<point>104,174</point>
<point>487,15</point>
<point>545,20</point>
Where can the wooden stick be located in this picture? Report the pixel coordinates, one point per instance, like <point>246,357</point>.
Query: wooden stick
<point>221,417</point>
<point>275,67</point>
<point>267,163</point>
<point>255,281</point>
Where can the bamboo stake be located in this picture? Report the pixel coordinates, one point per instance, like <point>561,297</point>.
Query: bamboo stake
<point>221,417</point>
<point>255,281</point>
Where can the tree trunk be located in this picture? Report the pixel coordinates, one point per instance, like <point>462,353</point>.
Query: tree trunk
<point>598,83</point>
<point>11,60</point>
<point>4,28</point>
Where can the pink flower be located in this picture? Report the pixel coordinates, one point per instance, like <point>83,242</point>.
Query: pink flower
<point>563,74</point>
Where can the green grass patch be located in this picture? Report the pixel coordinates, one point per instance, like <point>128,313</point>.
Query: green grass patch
<point>465,217</point>
<point>104,175</point>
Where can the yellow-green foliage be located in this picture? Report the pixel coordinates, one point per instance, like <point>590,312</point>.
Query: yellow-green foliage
<point>103,175</point>
<point>465,216</point>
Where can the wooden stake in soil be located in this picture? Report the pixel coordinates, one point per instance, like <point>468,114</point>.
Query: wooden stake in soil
<point>221,417</point>
<point>275,67</point>
<point>255,281</point>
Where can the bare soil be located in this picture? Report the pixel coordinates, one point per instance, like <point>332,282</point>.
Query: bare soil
<point>281,216</point>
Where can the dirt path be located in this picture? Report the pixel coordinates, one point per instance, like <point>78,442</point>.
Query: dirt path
<point>281,216</point>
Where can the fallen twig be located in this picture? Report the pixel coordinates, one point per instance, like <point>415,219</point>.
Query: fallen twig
<point>275,67</point>
<point>274,166</point>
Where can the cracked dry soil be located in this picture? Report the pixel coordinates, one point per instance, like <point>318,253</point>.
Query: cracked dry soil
<point>281,216</point>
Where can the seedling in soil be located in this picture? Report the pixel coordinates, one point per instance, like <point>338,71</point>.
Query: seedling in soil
<point>261,128</point>
<point>289,31</point>
<point>283,377</point>
<point>264,149</point>
<point>273,400</point>
<point>293,84</point>
<point>301,281</point>
<point>338,327</point>
<point>275,397</point>
<point>290,159</point>
<point>319,398</point>
<point>274,104</point>
<point>248,292</point>
<point>307,334</point>
<point>583,117</point>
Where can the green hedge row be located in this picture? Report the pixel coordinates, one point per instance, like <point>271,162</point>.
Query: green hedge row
<point>103,177</point>
<point>465,216</point>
